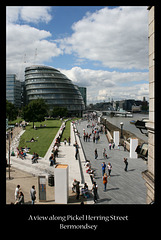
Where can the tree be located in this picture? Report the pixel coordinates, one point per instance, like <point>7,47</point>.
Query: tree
<point>11,111</point>
<point>59,111</point>
<point>35,111</point>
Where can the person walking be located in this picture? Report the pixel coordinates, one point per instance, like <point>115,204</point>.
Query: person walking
<point>17,192</point>
<point>20,199</point>
<point>110,146</point>
<point>96,154</point>
<point>94,190</point>
<point>105,181</point>
<point>126,164</point>
<point>124,146</point>
<point>76,153</point>
<point>33,194</point>
<point>104,153</point>
<point>103,168</point>
<point>109,167</point>
<point>69,140</point>
<point>77,190</point>
<point>76,150</point>
<point>52,159</point>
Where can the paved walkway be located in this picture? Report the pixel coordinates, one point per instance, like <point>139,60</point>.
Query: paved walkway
<point>122,187</point>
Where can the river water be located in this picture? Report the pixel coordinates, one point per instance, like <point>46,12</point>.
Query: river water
<point>127,125</point>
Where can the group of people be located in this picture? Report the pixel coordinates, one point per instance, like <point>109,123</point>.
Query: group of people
<point>104,174</point>
<point>35,157</point>
<point>19,196</point>
<point>22,152</point>
<point>95,133</point>
<point>89,169</point>
<point>55,150</point>
<point>76,189</point>
<point>65,141</point>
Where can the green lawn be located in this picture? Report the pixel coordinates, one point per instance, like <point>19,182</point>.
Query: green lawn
<point>66,132</point>
<point>44,135</point>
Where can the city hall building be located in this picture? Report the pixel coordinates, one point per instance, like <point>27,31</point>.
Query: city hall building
<point>54,87</point>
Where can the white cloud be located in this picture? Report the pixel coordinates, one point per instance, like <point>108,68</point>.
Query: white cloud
<point>104,84</point>
<point>25,44</point>
<point>36,14</point>
<point>28,14</point>
<point>118,37</point>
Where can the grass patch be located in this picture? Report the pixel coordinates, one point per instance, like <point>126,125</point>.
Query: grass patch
<point>43,135</point>
<point>16,121</point>
<point>66,132</point>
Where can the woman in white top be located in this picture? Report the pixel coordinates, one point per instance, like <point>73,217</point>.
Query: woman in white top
<point>109,167</point>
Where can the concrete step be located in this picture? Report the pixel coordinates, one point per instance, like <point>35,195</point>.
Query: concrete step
<point>40,168</point>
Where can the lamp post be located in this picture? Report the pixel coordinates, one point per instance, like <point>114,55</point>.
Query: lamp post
<point>9,135</point>
<point>121,124</point>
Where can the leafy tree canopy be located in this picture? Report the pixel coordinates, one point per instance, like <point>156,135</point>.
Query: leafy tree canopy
<point>59,111</point>
<point>35,111</point>
<point>11,111</point>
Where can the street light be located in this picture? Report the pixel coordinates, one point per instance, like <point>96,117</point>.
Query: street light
<point>105,121</point>
<point>9,135</point>
<point>121,124</point>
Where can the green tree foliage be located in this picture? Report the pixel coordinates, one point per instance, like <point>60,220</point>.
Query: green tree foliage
<point>11,111</point>
<point>59,112</point>
<point>35,111</point>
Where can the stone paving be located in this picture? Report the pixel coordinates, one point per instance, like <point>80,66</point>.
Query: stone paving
<point>122,187</point>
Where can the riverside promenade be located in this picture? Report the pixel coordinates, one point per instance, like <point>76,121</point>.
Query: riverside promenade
<point>122,187</point>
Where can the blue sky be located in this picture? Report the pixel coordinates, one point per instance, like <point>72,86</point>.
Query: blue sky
<point>102,48</point>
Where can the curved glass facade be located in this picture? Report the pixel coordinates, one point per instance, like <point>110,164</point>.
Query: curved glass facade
<point>54,87</point>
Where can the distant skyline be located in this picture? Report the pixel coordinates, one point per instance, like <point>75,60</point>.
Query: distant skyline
<point>99,47</point>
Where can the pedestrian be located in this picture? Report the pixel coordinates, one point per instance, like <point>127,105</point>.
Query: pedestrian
<point>74,185</point>
<point>33,194</point>
<point>76,150</point>
<point>126,164</point>
<point>84,136</point>
<point>11,133</point>
<point>76,153</point>
<point>113,146</point>
<point>124,146</point>
<point>104,152</point>
<point>69,140</point>
<point>17,192</point>
<point>52,159</point>
<point>105,181</point>
<point>20,199</point>
<point>96,154</point>
<point>109,167</point>
<point>77,190</point>
<point>103,168</point>
<point>110,146</point>
<point>94,190</point>
<point>65,141</point>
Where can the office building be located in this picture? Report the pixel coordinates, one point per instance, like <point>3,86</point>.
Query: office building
<point>54,87</point>
<point>13,90</point>
<point>83,92</point>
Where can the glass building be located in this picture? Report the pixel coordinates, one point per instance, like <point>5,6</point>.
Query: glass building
<point>54,87</point>
<point>83,91</point>
<point>13,90</point>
